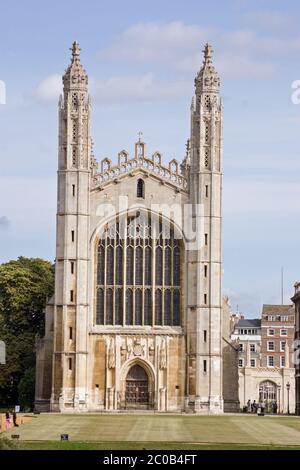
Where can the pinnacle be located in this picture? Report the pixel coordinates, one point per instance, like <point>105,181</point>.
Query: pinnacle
<point>208,52</point>
<point>75,51</point>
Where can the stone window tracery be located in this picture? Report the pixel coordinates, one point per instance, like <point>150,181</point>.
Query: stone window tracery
<point>74,130</point>
<point>207,132</point>
<point>207,102</point>
<point>138,277</point>
<point>74,155</point>
<point>75,100</point>
<point>206,157</point>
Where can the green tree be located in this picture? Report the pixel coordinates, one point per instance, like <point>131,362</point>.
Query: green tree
<point>25,285</point>
<point>26,388</point>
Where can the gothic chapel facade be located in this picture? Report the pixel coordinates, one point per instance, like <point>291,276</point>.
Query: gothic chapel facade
<point>135,321</point>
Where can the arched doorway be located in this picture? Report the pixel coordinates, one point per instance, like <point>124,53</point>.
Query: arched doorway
<point>137,388</point>
<point>268,394</point>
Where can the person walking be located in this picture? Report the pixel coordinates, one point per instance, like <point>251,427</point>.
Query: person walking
<point>14,415</point>
<point>7,421</point>
<point>249,406</point>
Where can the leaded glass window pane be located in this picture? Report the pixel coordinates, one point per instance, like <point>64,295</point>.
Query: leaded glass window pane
<point>148,266</point>
<point>129,307</point>
<point>148,307</point>
<point>119,307</point>
<point>101,265</point>
<point>158,307</point>
<point>167,308</point>
<point>158,266</point>
<point>176,266</point>
<point>129,266</point>
<point>168,267</point>
<point>100,307</point>
<point>176,307</point>
<point>119,265</point>
<point>110,266</point>
<point>139,266</point>
<point>138,307</point>
<point>109,307</point>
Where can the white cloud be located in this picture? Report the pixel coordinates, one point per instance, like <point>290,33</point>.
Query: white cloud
<point>240,66</point>
<point>257,45</point>
<point>271,20</point>
<point>241,53</point>
<point>50,88</point>
<point>157,41</point>
<point>177,47</point>
<point>120,88</point>
<point>136,88</point>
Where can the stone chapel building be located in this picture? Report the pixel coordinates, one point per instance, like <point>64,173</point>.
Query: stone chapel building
<point>136,318</point>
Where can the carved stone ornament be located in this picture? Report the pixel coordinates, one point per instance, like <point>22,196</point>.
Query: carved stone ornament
<point>111,355</point>
<point>138,350</point>
<point>163,355</point>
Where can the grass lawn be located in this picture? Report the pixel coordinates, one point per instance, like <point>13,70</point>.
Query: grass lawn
<point>51,445</point>
<point>159,432</point>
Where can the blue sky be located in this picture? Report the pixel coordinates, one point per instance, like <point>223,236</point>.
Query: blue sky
<point>141,58</point>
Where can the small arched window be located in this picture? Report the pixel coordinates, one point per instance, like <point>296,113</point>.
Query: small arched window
<point>140,191</point>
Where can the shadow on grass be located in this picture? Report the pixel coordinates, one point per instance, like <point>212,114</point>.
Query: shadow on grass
<point>53,445</point>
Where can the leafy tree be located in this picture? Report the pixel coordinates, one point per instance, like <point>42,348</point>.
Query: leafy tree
<point>26,388</point>
<point>25,285</point>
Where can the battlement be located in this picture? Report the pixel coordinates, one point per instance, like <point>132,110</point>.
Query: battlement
<point>126,164</point>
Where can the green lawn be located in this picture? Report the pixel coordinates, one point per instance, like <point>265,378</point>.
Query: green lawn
<point>134,431</point>
<point>51,445</point>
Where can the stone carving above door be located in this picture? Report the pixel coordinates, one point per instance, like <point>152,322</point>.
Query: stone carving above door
<point>138,348</point>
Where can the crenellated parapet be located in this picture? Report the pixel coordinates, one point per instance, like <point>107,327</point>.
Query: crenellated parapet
<point>152,165</point>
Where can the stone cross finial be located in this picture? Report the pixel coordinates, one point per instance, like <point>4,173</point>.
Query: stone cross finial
<point>208,52</point>
<point>75,50</point>
<point>140,134</point>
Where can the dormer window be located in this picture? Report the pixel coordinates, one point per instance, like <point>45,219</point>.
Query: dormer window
<point>140,191</point>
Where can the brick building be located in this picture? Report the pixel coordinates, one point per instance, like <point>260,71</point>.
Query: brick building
<point>296,300</point>
<point>277,334</point>
<point>265,358</point>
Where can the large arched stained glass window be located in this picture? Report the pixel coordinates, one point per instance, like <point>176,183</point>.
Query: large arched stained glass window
<point>138,274</point>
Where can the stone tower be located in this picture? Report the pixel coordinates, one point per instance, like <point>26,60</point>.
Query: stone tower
<point>72,254</point>
<point>204,265</point>
<point>135,322</point>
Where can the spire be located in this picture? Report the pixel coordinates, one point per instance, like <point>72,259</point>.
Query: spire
<point>75,77</point>
<point>75,51</point>
<point>207,79</point>
<point>208,52</point>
